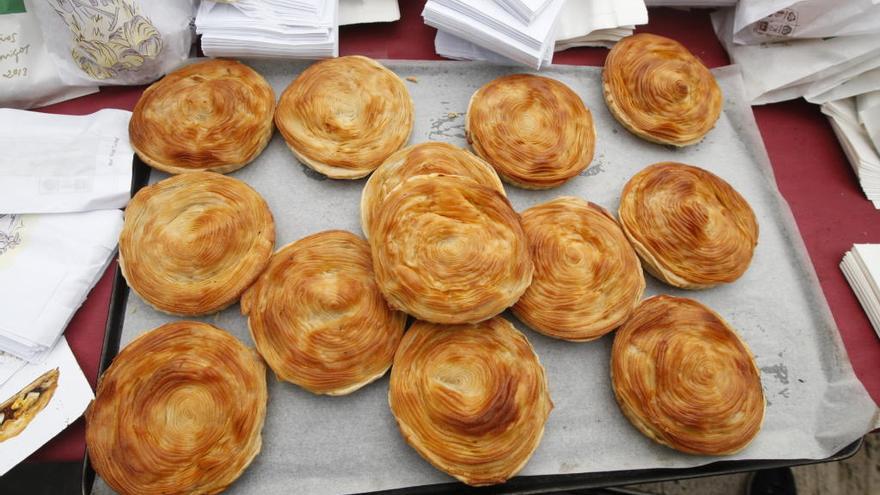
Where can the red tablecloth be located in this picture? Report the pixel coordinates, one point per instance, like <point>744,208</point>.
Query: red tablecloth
<point>810,167</point>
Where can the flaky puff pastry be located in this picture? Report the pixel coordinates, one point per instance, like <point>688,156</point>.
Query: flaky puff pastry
<point>344,116</point>
<point>180,410</point>
<point>587,277</point>
<point>318,318</point>
<point>449,250</point>
<point>690,227</point>
<point>534,130</point>
<point>421,159</point>
<point>209,116</point>
<point>659,91</point>
<point>685,379</point>
<point>192,243</point>
<point>471,399</point>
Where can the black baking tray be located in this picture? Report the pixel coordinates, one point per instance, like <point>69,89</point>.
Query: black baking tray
<point>521,485</point>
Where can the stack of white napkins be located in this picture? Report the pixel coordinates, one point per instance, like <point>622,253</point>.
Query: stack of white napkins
<point>62,180</point>
<point>579,23</point>
<point>861,267</point>
<point>856,122</point>
<point>802,52</point>
<point>367,11</point>
<point>269,28</point>
<point>490,25</point>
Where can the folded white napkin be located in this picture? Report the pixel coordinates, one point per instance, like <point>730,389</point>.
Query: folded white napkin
<point>525,10</point>
<point>783,71</point>
<point>48,265</point>
<point>598,22</point>
<point>367,11</point>
<point>868,108</point>
<point>861,267</point>
<point>63,163</point>
<point>451,46</point>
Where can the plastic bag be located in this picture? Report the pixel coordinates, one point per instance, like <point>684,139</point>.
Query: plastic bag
<point>28,77</point>
<point>115,41</point>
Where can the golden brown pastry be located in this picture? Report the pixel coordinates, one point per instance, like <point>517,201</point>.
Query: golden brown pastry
<point>534,130</point>
<point>659,91</point>
<point>318,318</point>
<point>471,399</point>
<point>20,409</point>
<point>344,116</point>
<point>180,410</point>
<point>587,277</point>
<point>690,227</point>
<point>214,115</point>
<point>449,250</point>
<point>422,159</point>
<point>191,244</point>
<point>685,379</point>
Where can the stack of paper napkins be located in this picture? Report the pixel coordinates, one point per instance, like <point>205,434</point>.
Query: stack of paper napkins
<point>491,25</point>
<point>269,28</point>
<point>62,181</point>
<point>579,23</point>
<point>861,267</point>
<point>856,122</point>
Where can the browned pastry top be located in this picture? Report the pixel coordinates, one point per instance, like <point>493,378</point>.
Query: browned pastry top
<point>587,277</point>
<point>192,243</point>
<point>214,115</point>
<point>659,91</point>
<point>690,227</point>
<point>344,116</point>
<point>471,399</point>
<point>685,379</point>
<point>534,130</point>
<point>449,250</point>
<point>318,318</point>
<point>180,410</point>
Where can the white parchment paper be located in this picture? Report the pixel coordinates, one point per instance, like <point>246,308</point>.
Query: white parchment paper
<point>815,404</point>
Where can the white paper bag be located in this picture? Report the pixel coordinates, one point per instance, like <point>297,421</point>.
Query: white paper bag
<point>760,21</point>
<point>101,42</point>
<point>28,77</point>
<point>64,163</point>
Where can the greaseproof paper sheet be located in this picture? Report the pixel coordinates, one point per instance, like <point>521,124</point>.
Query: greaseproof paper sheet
<point>322,445</point>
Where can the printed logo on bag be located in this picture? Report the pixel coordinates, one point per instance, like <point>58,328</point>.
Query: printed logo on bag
<point>111,36</point>
<point>10,231</point>
<point>781,23</point>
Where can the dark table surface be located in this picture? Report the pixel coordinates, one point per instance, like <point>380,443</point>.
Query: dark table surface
<point>811,170</point>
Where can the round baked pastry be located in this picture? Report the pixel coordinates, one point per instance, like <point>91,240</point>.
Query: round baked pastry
<point>659,91</point>
<point>214,115</point>
<point>471,399</point>
<point>344,116</point>
<point>422,159</point>
<point>587,277</point>
<point>685,379</point>
<point>534,130</point>
<point>192,243</point>
<point>180,410</point>
<point>690,227</point>
<point>318,318</point>
<point>449,250</point>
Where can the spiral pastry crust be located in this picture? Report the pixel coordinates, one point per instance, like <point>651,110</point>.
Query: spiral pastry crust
<point>449,250</point>
<point>535,131</point>
<point>471,399</point>
<point>344,116</point>
<point>587,277</point>
<point>180,410</point>
<point>318,318</point>
<point>422,159</point>
<point>214,116</point>
<point>690,227</point>
<point>685,379</point>
<point>659,91</point>
<point>192,243</point>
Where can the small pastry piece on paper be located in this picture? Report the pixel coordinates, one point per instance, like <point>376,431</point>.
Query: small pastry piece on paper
<point>38,402</point>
